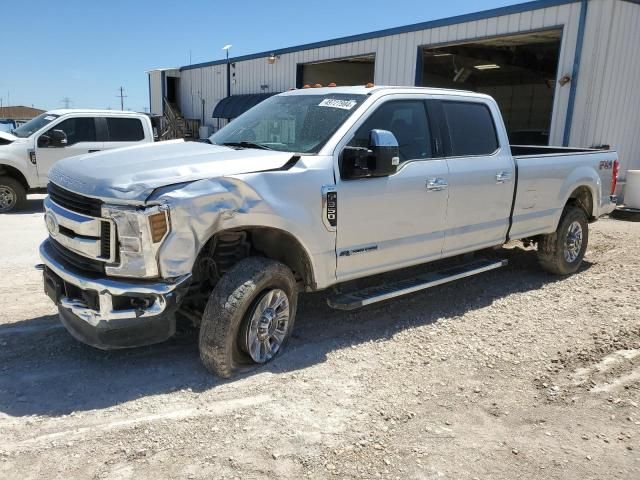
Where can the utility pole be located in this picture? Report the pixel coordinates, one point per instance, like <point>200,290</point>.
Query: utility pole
<point>226,49</point>
<point>66,102</point>
<point>122,97</point>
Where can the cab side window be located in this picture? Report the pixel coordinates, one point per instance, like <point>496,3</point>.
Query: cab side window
<point>471,129</point>
<point>407,120</point>
<point>125,130</point>
<point>80,129</point>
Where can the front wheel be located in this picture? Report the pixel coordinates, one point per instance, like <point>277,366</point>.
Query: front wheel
<point>561,252</point>
<point>12,195</point>
<point>249,316</point>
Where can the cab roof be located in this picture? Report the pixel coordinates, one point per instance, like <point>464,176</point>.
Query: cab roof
<point>364,90</point>
<point>65,111</point>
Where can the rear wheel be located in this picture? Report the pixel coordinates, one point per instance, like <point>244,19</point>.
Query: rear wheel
<point>249,316</point>
<point>561,252</point>
<point>13,195</point>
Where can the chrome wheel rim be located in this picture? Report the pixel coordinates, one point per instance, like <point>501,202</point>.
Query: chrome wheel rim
<point>268,325</point>
<point>8,198</point>
<point>573,243</point>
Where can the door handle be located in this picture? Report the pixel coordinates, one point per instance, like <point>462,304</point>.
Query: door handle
<point>95,150</point>
<point>436,184</point>
<point>502,177</point>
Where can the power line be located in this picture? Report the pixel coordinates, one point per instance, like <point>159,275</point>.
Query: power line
<point>66,101</point>
<point>122,97</point>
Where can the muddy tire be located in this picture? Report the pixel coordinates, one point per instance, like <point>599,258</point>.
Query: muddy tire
<point>13,195</point>
<point>249,316</point>
<point>562,251</point>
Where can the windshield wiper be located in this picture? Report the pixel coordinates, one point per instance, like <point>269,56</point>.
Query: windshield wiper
<point>246,145</point>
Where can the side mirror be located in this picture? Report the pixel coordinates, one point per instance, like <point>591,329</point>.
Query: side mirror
<point>58,138</point>
<point>381,159</point>
<point>44,140</point>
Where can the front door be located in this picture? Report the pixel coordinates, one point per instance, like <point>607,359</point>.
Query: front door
<point>81,138</point>
<point>481,177</point>
<point>389,222</point>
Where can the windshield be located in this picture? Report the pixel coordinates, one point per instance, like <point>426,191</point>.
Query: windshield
<point>34,125</point>
<point>6,125</point>
<point>289,123</point>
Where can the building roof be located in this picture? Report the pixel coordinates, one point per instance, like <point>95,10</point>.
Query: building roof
<point>19,112</point>
<point>495,12</point>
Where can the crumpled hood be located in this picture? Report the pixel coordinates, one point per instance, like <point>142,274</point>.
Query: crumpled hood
<point>133,173</point>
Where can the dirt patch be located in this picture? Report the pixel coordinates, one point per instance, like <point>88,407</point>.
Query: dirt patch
<point>448,383</point>
<point>609,366</point>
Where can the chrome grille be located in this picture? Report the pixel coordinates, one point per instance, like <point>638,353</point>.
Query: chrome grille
<point>105,240</point>
<point>80,262</point>
<point>74,202</point>
<point>75,225</point>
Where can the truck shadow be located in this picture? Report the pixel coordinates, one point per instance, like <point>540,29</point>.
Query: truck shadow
<point>43,371</point>
<point>32,205</point>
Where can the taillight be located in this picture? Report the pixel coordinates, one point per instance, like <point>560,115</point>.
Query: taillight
<point>614,176</point>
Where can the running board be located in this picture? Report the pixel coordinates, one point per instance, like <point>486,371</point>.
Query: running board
<point>379,293</point>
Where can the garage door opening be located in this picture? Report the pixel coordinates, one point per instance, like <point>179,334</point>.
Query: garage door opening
<point>344,71</point>
<point>519,71</point>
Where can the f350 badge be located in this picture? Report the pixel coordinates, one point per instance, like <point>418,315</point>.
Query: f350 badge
<point>330,207</point>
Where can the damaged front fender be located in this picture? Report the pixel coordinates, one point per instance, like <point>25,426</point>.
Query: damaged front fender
<point>199,210</point>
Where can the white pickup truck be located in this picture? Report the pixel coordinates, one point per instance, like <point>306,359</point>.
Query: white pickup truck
<point>308,190</point>
<point>29,151</point>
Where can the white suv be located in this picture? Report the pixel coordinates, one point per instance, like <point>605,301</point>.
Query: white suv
<point>29,151</point>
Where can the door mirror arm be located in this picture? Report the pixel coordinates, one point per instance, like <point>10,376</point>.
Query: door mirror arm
<point>44,141</point>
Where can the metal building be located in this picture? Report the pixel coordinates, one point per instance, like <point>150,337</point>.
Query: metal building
<point>564,72</point>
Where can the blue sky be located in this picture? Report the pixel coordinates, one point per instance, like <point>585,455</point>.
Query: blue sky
<point>85,50</point>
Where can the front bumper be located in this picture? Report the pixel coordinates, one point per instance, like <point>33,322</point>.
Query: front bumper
<point>109,313</point>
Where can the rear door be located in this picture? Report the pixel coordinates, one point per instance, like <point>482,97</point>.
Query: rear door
<point>386,223</point>
<point>123,131</point>
<point>481,175</point>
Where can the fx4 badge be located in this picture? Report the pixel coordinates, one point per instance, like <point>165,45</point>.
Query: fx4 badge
<point>606,164</point>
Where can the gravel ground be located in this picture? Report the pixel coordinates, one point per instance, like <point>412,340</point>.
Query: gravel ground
<point>512,374</point>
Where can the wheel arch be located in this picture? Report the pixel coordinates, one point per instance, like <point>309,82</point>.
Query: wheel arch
<point>13,172</point>
<point>582,197</point>
<point>278,245</point>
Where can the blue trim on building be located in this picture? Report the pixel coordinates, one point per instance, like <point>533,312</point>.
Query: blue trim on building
<point>576,71</point>
<point>299,75</point>
<point>469,17</point>
<point>150,101</point>
<point>419,67</point>
<point>163,85</point>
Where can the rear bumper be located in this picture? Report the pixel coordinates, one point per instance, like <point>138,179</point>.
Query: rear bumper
<point>108,313</point>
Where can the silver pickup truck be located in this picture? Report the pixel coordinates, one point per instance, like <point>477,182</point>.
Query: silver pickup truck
<point>308,190</point>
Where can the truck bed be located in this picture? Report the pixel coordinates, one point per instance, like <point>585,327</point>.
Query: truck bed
<point>548,176</point>
<point>539,150</point>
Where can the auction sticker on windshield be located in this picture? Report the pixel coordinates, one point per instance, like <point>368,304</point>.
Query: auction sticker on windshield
<point>335,103</point>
